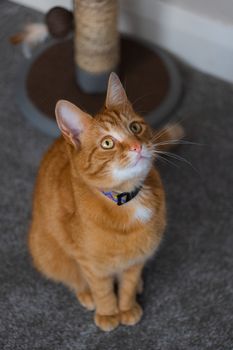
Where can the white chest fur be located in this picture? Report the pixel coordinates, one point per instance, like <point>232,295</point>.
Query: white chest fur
<point>142,213</point>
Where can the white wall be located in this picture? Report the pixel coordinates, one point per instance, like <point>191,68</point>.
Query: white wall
<point>44,5</point>
<point>221,10</point>
<point>200,40</point>
<point>200,32</point>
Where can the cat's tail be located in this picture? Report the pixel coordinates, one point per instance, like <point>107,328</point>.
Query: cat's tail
<point>168,137</point>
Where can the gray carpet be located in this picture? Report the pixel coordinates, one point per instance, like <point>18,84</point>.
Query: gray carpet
<point>188,298</point>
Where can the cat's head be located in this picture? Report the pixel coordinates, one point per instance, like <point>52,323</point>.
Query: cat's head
<point>114,147</point>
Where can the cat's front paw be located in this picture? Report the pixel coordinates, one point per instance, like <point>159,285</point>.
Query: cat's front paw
<point>132,316</point>
<point>107,323</point>
<point>86,300</point>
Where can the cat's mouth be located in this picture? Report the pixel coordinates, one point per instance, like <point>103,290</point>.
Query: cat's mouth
<point>140,159</point>
<point>139,166</point>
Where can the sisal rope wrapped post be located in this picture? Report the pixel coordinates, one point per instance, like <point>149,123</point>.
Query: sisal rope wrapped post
<point>96,43</point>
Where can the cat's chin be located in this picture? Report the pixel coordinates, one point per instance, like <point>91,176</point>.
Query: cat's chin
<point>141,160</point>
<point>140,169</point>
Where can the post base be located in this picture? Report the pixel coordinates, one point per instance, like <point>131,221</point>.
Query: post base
<point>92,83</point>
<point>149,75</point>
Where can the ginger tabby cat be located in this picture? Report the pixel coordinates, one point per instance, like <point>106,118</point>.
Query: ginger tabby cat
<point>85,234</point>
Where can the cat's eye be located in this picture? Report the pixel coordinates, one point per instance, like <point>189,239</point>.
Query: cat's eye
<point>107,143</point>
<point>135,127</point>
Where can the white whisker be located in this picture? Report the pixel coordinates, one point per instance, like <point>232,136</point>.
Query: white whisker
<point>167,161</point>
<point>175,156</point>
<point>177,142</point>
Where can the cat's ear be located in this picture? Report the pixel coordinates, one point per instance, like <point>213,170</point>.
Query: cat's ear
<point>116,95</point>
<point>72,121</point>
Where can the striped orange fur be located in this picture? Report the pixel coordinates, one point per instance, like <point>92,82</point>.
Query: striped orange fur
<point>80,237</point>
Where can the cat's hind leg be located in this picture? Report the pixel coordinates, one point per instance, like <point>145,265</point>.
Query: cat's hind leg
<point>54,263</point>
<point>140,286</point>
<point>86,299</point>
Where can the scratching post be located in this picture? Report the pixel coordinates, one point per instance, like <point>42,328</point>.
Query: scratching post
<point>77,68</point>
<point>96,42</point>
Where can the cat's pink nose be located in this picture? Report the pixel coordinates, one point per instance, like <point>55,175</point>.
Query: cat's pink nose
<point>136,147</point>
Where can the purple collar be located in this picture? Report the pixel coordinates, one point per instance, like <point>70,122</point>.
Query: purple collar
<point>122,198</point>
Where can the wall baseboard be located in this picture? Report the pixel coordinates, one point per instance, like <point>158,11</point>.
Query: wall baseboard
<point>203,42</point>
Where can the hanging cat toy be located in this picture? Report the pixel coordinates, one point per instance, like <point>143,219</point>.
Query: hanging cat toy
<point>58,24</point>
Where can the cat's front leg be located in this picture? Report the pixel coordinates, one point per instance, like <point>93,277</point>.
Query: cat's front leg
<point>130,310</point>
<point>102,288</point>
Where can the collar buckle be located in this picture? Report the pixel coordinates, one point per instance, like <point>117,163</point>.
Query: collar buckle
<point>123,198</point>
